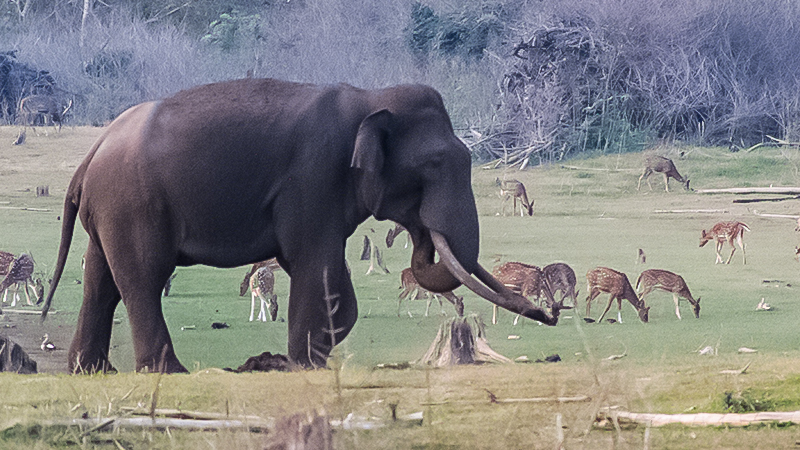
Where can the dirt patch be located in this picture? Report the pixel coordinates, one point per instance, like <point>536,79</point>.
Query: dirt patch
<point>265,362</point>
<point>26,330</point>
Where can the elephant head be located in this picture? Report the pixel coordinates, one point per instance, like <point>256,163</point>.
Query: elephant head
<point>416,172</point>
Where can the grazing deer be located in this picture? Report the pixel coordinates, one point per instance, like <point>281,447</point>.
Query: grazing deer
<point>44,107</point>
<point>523,279</point>
<point>664,166</point>
<point>6,259</point>
<point>514,189</point>
<point>271,263</point>
<point>729,232</point>
<point>262,284</point>
<point>411,290</point>
<point>561,277</point>
<point>670,282</point>
<point>603,279</point>
<point>19,272</point>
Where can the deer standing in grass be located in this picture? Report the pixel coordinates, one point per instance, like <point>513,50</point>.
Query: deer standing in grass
<point>411,290</point>
<point>514,189</point>
<point>664,166</point>
<point>603,279</point>
<point>670,282</point>
<point>19,272</point>
<point>561,277</point>
<point>730,232</point>
<point>523,279</point>
<point>271,263</point>
<point>262,284</point>
<point>46,107</point>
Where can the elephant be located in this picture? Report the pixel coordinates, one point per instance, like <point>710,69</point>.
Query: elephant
<point>240,171</point>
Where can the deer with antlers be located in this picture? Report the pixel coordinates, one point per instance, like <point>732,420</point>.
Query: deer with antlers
<point>603,279</point>
<point>664,166</point>
<point>561,277</point>
<point>514,189</point>
<point>44,108</point>
<point>411,290</point>
<point>670,282</point>
<point>730,232</point>
<point>526,280</point>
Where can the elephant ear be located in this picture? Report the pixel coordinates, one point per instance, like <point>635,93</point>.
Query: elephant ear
<point>368,156</point>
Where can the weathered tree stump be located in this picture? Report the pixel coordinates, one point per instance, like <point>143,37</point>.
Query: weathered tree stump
<point>461,341</point>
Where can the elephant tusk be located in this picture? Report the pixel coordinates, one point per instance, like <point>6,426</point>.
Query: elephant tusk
<point>496,292</point>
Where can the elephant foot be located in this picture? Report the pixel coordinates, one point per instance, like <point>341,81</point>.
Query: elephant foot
<point>167,363</point>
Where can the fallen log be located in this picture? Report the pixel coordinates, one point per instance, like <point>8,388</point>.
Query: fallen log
<point>759,200</point>
<point>493,399</point>
<point>604,419</point>
<point>597,169</point>
<point>779,216</point>
<point>786,190</point>
<point>691,211</point>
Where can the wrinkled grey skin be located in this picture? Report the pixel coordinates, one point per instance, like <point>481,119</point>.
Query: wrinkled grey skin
<point>232,173</point>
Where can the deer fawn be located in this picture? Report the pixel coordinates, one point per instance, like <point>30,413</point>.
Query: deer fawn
<point>524,279</point>
<point>411,290</point>
<point>262,283</point>
<point>514,189</point>
<point>664,166</point>
<point>603,279</point>
<point>670,282</point>
<point>729,232</point>
<point>561,277</point>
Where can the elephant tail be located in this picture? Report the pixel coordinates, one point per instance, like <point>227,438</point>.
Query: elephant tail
<point>69,217</point>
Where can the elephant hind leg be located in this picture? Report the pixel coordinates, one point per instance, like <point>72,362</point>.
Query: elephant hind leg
<point>89,349</point>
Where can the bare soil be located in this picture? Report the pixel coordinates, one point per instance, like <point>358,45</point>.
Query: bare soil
<point>27,331</point>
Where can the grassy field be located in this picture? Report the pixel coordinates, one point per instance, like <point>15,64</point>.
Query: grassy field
<point>587,217</point>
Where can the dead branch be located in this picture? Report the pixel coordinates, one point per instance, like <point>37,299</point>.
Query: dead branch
<point>597,169</point>
<point>780,216</point>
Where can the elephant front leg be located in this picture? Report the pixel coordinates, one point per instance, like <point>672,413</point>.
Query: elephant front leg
<point>88,352</point>
<point>322,311</point>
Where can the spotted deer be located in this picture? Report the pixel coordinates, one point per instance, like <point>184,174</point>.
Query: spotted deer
<point>514,189</point>
<point>561,277</point>
<point>730,232</point>
<point>262,284</point>
<point>664,166</point>
<point>411,290</point>
<point>46,108</point>
<point>523,279</point>
<point>19,272</point>
<point>670,282</point>
<point>271,263</point>
<point>603,279</point>
<point>6,259</point>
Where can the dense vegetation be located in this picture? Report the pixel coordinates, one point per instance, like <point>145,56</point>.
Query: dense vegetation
<point>527,80</point>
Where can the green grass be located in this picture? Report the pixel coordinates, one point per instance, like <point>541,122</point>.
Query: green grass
<point>586,218</point>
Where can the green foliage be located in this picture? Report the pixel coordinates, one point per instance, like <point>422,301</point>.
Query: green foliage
<point>231,30</point>
<point>465,34</point>
<point>747,401</point>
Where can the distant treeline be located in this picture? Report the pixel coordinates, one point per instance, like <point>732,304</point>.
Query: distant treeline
<point>529,81</point>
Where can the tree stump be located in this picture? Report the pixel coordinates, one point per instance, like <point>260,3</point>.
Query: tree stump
<point>461,340</point>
